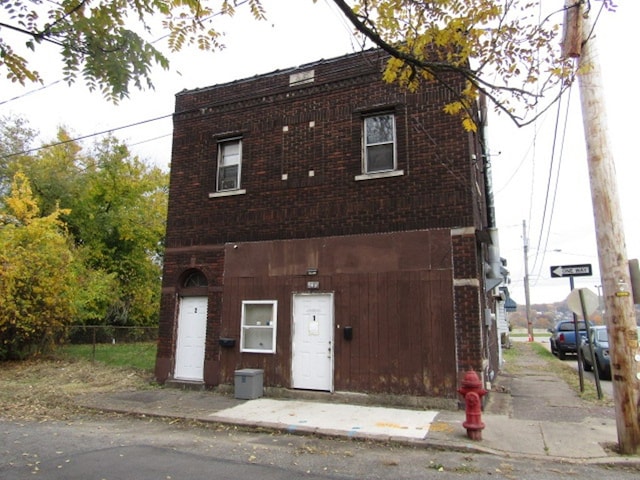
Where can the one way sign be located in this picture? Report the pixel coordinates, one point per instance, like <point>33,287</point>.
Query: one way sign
<point>571,271</point>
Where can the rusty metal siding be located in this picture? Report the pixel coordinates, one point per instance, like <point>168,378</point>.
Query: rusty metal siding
<point>401,312</point>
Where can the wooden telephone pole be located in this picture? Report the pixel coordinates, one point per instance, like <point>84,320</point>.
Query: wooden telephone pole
<point>612,256</point>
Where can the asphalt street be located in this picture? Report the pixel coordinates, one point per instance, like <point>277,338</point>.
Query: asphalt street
<point>113,447</point>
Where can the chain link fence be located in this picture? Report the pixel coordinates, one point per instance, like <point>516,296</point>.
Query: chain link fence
<point>95,334</point>
<point>121,345</point>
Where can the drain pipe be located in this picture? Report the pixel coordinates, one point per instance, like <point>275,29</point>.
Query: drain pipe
<point>493,249</point>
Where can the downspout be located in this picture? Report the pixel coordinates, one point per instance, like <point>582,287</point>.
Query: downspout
<point>486,164</point>
<point>494,277</point>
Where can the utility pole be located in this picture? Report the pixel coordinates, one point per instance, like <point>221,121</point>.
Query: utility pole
<point>526,281</point>
<point>612,255</point>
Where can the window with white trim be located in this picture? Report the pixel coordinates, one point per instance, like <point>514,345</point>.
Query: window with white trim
<point>258,322</point>
<point>229,162</point>
<point>379,143</point>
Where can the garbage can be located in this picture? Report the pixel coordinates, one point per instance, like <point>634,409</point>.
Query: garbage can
<point>248,383</point>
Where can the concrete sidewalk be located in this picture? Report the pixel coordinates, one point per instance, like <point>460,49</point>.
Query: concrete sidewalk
<point>531,412</point>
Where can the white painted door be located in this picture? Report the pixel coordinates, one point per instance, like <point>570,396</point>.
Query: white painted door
<point>312,349</point>
<point>192,332</point>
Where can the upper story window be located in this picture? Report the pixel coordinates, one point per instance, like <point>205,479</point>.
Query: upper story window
<point>229,162</point>
<point>379,143</point>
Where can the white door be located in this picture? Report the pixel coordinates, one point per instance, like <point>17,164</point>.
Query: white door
<point>312,349</point>
<point>192,332</point>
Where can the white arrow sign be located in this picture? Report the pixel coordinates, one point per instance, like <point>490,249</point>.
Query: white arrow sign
<point>571,270</point>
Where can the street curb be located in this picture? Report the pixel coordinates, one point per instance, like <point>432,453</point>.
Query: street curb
<point>440,444</point>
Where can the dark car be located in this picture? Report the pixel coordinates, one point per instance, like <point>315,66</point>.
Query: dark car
<point>600,340</point>
<point>563,337</point>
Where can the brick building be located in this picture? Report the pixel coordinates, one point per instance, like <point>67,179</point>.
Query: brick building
<point>331,230</point>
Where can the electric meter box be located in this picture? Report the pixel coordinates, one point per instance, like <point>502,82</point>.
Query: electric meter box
<point>248,383</point>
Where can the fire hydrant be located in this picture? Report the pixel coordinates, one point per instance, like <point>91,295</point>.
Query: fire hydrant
<point>471,389</point>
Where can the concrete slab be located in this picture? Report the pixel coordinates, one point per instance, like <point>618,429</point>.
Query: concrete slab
<point>508,434</point>
<point>354,420</point>
<point>577,440</point>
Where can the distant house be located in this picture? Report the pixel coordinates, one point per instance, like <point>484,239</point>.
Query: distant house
<point>332,230</point>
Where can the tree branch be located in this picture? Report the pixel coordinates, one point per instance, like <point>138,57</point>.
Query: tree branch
<point>435,69</point>
<point>34,35</point>
<point>47,31</point>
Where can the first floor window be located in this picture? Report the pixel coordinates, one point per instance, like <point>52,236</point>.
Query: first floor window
<point>379,143</point>
<point>229,161</point>
<point>258,321</point>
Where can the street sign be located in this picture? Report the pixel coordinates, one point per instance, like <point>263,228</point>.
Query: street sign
<point>578,296</point>
<point>571,271</point>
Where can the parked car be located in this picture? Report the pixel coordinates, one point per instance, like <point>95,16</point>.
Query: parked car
<point>600,339</point>
<point>563,337</point>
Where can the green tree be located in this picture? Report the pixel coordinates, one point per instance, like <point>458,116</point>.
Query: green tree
<point>119,219</point>
<point>108,42</point>
<point>15,136</point>
<point>37,278</point>
<point>115,212</point>
<point>55,173</point>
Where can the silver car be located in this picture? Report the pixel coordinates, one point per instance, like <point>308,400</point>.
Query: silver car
<point>600,340</point>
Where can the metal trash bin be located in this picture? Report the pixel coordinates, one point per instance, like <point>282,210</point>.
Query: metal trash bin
<point>248,383</point>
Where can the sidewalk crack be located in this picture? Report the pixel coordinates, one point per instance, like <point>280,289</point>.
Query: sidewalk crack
<point>544,440</point>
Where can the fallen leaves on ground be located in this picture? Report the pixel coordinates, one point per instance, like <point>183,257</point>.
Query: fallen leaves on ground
<point>44,389</point>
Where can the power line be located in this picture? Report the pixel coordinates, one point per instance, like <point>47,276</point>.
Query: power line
<point>18,97</point>
<point>238,4</point>
<point>151,139</point>
<point>543,249</point>
<point>555,191</point>
<point>354,71</point>
<point>84,137</point>
<point>547,195</point>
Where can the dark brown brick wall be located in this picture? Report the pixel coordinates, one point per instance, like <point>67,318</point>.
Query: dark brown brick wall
<point>465,256</point>
<point>439,188</point>
<point>468,328</point>
<point>433,150</point>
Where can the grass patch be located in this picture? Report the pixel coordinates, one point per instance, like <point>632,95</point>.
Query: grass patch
<point>510,357</point>
<point>542,351</point>
<point>510,354</point>
<point>141,355</point>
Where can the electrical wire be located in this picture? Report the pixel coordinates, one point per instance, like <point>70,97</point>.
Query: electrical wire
<point>84,137</point>
<point>122,127</point>
<point>150,139</point>
<point>239,3</point>
<point>352,72</point>
<point>18,97</point>
<point>541,248</point>
<point>548,187</point>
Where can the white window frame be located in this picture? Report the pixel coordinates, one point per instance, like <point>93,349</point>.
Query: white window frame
<point>258,326</point>
<point>367,145</point>
<point>229,159</point>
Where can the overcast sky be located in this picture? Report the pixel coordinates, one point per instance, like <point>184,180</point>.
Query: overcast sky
<point>526,163</point>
